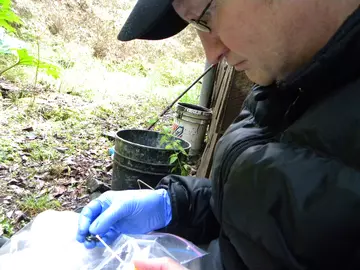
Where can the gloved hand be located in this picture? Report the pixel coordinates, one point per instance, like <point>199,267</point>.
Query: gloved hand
<point>128,212</point>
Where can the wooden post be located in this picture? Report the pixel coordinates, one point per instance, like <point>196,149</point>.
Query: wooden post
<point>230,90</point>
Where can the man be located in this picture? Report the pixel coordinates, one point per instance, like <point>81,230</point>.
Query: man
<point>285,183</point>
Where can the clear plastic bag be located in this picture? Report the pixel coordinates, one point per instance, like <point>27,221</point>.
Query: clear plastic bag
<point>49,242</point>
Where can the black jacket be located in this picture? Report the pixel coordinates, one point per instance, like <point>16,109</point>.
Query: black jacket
<point>285,184</point>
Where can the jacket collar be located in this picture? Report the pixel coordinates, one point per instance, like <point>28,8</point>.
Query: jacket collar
<point>334,65</point>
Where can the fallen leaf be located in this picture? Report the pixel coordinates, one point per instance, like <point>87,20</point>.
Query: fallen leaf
<point>10,213</point>
<point>42,192</point>
<point>19,140</point>
<point>96,185</point>
<point>40,183</point>
<point>45,176</point>
<point>14,182</point>
<point>26,150</point>
<point>58,191</point>
<point>3,167</point>
<point>108,167</point>
<point>29,129</point>
<point>24,158</point>
<point>61,149</point>
<point>98,165</point>
<point>57,136</point>
<point>65,204</point>
<point>7,86</point>
<point>74,181</point>
<point>109,135</point>
<point>31,136</point>
<point>19,215</point>
<point>17,190</point>
<point>69,161</point>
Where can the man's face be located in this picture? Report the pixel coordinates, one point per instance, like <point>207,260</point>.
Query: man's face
<point>268,39</point>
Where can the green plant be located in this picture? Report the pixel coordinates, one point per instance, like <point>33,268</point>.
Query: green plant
<point>25,59</point>
<point>59,113</point>
<point>8,151</point>
<point>192,97</point>
<point>57,169</point>
<point>102,112</point>
<point>134,68</point>
<point>34,205</point>
<point>171,72</point>
<point>178,158</point>
<point>41,151</point>
<point>6,227</point>
<point>7,16</point>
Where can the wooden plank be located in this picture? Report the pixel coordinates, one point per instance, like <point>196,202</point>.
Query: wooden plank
<point>221,93</point>
<point>204,169</point>
<point>240,88</point>
<point>230,90</point>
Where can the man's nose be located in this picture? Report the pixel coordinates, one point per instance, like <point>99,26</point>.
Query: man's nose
<point>213,46</point>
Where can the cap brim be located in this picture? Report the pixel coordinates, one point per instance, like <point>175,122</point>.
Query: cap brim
<point>152,20</point>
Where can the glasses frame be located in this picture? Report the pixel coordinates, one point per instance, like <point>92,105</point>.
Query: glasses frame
<point>200,24</point>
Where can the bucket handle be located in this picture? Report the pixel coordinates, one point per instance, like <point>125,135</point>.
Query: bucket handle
<point>145,184</point>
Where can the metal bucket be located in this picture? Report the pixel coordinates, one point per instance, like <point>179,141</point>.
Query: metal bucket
<point>139,155</point>
<point>190,124</point>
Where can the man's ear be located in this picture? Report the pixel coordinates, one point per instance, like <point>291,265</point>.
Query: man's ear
<point>180,9</point>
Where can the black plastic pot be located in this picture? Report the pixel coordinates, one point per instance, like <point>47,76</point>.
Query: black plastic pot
<point>139,156</point>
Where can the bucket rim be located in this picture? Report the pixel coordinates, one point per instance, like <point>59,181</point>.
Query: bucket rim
<point>189,105</point>
<point>150,147</point>
<point>194,107</point>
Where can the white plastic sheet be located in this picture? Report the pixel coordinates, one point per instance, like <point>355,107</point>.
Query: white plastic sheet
<point>49,242</point>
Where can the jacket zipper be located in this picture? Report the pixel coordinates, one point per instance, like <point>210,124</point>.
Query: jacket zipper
<point>231,156</point>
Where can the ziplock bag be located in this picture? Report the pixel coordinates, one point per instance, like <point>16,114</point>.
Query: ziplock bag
<point>49,242</point>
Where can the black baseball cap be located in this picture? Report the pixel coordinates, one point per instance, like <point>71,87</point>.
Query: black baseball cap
<point>152,20</point>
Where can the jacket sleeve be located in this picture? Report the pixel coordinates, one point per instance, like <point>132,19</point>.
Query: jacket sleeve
<point>192,216</point>
<point>296,208</point>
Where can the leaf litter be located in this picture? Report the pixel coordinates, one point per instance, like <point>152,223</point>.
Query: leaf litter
<point>53,144</point>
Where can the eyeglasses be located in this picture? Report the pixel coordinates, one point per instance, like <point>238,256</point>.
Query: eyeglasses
<point>200,24</point>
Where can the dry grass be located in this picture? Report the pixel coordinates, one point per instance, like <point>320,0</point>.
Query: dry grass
<point>80,36</point>
<point>96,25</point>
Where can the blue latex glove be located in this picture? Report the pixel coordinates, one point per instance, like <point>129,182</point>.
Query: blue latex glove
<point>128,212</point>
